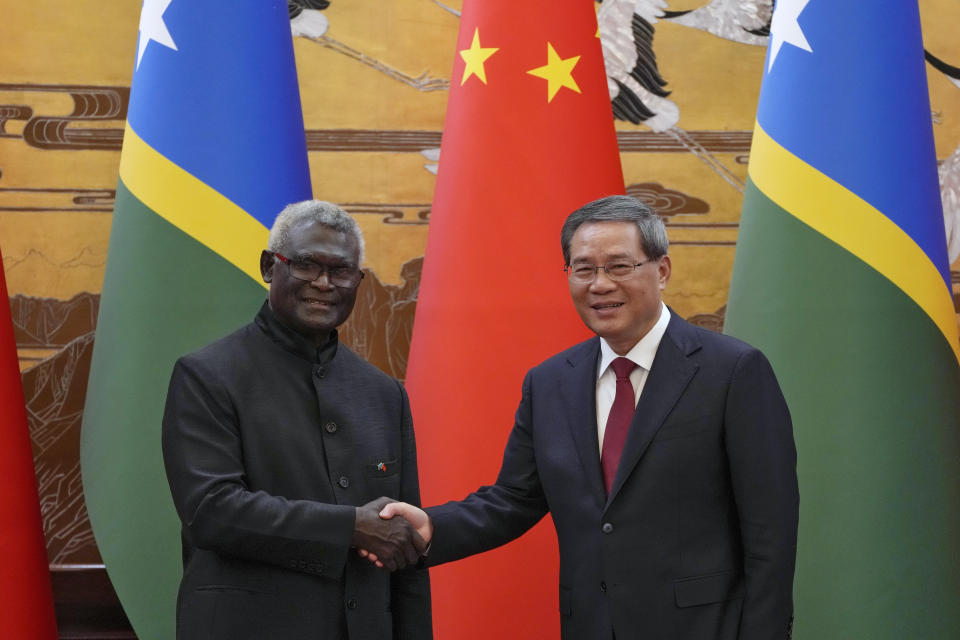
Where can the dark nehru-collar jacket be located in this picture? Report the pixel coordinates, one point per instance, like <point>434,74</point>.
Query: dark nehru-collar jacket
<point>269,442</point>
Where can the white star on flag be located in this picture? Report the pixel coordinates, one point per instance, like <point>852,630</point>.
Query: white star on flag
<point>152,27</point>
<point>784,28</point>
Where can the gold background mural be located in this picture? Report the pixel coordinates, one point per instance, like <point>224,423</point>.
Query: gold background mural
<point>374,89</point>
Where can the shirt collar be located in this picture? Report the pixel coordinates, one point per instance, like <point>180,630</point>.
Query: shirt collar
<point>644,351</point>
<point>292,341</point>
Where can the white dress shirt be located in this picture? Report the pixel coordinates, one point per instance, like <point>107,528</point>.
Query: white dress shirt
<point>641,354</point>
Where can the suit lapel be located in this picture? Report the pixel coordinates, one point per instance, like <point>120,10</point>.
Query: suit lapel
<point>669,375</point>
<point>579,389</point>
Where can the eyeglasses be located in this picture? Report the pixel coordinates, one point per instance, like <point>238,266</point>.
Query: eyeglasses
<point>340,276</point>
<point>616,271</point>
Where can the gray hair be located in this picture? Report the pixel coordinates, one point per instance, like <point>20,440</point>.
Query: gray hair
<point>653,235</point>
<point>317,211</point>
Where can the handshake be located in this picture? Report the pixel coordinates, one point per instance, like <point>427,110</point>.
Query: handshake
<point>388,541</point>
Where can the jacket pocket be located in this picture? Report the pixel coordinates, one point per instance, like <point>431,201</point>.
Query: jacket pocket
<point>713,587</point>
<point>687,427</point>
<point>382,467</point>
<point>230,588</point>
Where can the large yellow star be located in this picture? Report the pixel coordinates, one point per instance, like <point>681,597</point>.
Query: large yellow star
<point>557,72</point>
<point>475,56</point>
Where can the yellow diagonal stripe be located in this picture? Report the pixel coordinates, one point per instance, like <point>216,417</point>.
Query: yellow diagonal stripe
<point>192,206</point>
<point>845,218</point>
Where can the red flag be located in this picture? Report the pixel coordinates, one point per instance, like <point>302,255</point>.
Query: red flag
<point>529,137</point>
<point>26,600</point>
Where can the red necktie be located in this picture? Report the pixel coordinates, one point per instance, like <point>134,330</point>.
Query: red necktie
<point>618,423</point>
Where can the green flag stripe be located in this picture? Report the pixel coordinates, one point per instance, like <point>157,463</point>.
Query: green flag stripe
<point>871,386</point>
<point>191,205</point>
<point>844,217</point>
<point>148,317</point>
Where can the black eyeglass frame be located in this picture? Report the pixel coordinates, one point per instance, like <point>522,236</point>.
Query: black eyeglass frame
<point>336,278</point>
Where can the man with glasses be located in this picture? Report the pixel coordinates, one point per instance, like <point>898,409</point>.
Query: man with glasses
<point>663,451</point>
<point>278,443</point>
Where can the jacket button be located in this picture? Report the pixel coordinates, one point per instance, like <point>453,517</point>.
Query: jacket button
<point>607,527</point>
<point>320,372</point>
<point>603,586</point>
<point>344,481</point>
<point>351,604</point>
<point>330,427</point>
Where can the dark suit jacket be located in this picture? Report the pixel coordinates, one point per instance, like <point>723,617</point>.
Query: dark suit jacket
<point>269,443</point>
<point>697,538</point>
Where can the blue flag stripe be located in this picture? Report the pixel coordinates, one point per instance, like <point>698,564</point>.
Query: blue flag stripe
<point>862,93</point>
<point>192,104</point>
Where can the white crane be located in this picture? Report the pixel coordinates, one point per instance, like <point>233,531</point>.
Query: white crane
<point>744,21</point>
<point>634,82</point>
<point>949,172</point>
<point>308,21</point>
<point>637,90</point>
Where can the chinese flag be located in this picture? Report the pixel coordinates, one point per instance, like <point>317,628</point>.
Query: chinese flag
<point>26,600</point>
<point>528,138</point>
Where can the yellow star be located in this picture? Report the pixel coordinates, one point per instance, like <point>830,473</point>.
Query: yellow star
<point>557,72</point>
<point>475,56</point>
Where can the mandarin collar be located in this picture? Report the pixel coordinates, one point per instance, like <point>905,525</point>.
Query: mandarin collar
<point>295,343</point>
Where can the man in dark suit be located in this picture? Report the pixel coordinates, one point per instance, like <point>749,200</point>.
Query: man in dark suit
<point>277,442</point>
<point>663,451</point>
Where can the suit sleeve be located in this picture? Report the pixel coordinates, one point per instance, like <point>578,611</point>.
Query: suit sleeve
<point>410,588</point>
<point>494,515</point>
<point>203,458</point>
<point>763,461</point>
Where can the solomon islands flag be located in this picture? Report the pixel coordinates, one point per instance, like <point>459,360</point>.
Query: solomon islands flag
<point>214,148</point>
<point>841,277</point>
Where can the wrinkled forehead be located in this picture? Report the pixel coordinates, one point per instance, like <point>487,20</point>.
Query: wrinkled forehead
<point>313,239</point>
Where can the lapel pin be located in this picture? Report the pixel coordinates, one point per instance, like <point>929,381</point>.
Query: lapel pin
<point>381,467</point>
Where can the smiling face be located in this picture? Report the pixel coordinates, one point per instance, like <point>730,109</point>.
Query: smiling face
<point>312,309</point>
<point>620,312</point>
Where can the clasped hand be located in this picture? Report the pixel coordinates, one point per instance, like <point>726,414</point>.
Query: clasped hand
<point>389,542</point>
